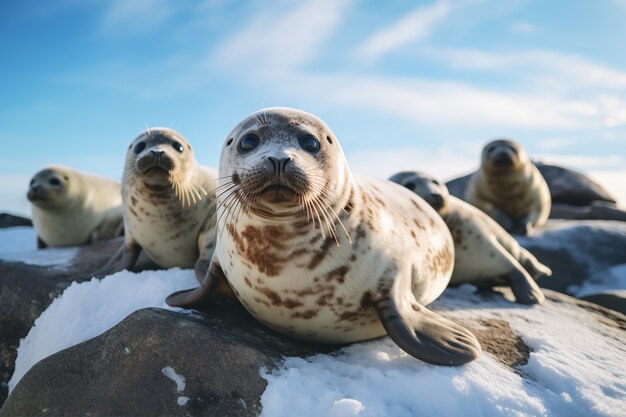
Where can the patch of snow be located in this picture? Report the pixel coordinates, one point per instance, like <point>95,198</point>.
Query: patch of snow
<point>19,244</point>
<point>575,369</point>
<point>169,372</point>
<point>182,400</point>
<point>88,309</point>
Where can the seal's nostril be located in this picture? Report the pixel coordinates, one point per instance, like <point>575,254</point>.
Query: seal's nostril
<point>279,164</point>
<point>157,153</point>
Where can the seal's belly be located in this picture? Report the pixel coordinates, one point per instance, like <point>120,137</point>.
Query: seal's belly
<point>166,246</point>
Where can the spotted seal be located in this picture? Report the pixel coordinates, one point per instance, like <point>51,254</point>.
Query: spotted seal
<point>319,254</point>
<point>484,253</point>
<point>509,188</point>
<point>72,208</point>
<point>168,204</point>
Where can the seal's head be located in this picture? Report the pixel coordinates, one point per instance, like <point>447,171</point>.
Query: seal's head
<point>159,157</point>
<point>280,163</point>
<point>433,191</point>
<point>51,187</point>
<point>504,155</point>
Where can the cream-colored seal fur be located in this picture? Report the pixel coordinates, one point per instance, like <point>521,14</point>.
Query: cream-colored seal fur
<point>317,253</point>
<point>168,202</point>
<point>74,208</point>
<point>484,253</point>
<point>509,188</point>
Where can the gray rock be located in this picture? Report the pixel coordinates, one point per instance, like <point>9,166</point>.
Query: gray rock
<point>121,372</point>
<point>27,290</point>
<point>11,220</point>
<point>580,253</point>
<point>614,300</point>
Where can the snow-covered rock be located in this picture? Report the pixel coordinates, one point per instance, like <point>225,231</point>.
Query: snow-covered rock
<point>564,357</point>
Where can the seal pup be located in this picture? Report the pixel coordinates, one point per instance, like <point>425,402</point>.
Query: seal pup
<point>168,204</point>
<point>319,254</point>
<point>509,188</point>
<point>484,253</point>
<point>72,208</point>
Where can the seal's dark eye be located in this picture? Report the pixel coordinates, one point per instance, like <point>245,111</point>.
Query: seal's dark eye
<point>249,142</point>
<point>54,181</point>
<point>178,146</point>
<point>309,143</point>
<point>140,147</point>
<point>32,181</point>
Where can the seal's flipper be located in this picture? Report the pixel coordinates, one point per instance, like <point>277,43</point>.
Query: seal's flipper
<point>213,287</point>
<point>426,335</point>
<point>524,288</point>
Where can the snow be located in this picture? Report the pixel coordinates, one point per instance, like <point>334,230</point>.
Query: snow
<point>575,369</point>
<point>88,309</point>
<point>19,244</point>
<point>178,379</point>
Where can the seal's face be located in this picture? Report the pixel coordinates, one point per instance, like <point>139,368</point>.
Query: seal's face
<point>503,155</point>
<point>276,163</point>
<point>159,157</point>
<point>433,191</point>
<point>49,187</point>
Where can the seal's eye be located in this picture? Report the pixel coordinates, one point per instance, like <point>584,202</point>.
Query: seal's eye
<point>140,147</point>
<point>309,143</point>
<point>32,181</point>
<point>178,146</point>
<point>54,181</point>
<point>249,142</point>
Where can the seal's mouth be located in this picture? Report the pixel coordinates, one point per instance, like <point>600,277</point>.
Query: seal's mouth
<point>278,193</point>
<point>37,196</point>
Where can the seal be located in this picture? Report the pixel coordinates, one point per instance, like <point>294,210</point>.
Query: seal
<point>168,203</point>
<point>72,208</point>
<point>509,188</point>
<point>319,254</point>
<point>484,253</point>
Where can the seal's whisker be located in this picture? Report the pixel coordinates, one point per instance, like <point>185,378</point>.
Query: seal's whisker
<point>326,219</point>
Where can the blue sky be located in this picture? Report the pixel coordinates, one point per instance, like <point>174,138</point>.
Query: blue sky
<point>421,84</point>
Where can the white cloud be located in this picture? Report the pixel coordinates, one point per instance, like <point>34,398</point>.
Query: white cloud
<point>443,162</point>
<point>279,42</point>
<point>136,15</point>
<point>13,194</point>
<point>555,143</point>
<point>576,70</point>
<point>416,25</point>
<point>522,27</point>
<point>583,162</point>
<point>453,105</point>
<point>614,181</point>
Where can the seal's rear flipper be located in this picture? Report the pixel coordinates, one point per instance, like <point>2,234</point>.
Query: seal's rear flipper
<point>425,335</point>
<point>213,287</point>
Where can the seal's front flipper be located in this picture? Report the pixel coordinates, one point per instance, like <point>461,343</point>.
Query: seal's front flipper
<point>426,335</point>
<point>524,288</point>
<point>213,287</point>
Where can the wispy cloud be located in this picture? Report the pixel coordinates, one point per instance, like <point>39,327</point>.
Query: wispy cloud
<point>583,162</point>
<point>416,25</point>
<point>136,15</point>
<point>281,41</point>
<point>522,27</point>
<point>454,105</point>
<point>550,64</point>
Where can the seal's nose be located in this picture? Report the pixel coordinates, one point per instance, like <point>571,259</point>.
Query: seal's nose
<point>35,188</point>
<point>503,159</point>
<point>157,153</point>
<point>437,200</point>
<point>279,164</point>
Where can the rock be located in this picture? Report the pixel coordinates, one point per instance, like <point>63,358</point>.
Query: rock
<point>27,290</point>
<point>575,196</point>
<point>581,254</point>
<point>157,362</point>
<point>11,220</point>
<point>614,300</point>
<point>124,372</point>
